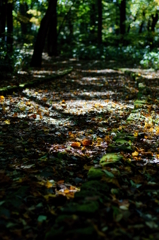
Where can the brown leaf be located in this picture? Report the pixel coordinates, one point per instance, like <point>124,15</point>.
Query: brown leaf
<point>86,142</point>
<point>76,144</point>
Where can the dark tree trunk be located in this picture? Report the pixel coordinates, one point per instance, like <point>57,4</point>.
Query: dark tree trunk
<point>117,31</point>
<point>149,25</point>
<point>42,33</point>
<point>122,17</point>
<point>141,27</point>
<point>154,21</point>
<point>142,23</point>
<point>92,18</point>
<point>99,21</point>
<point>23,12</point>
<point>3,15</point>
<point>70,25</point>
<point>9,27</point>
<point>52,32</point>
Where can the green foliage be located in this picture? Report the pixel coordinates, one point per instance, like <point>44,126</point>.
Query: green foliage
<point>6,65</point>
<point>150,60</point>
<point>77,27</point>
<point>83,51</point>
<point>12,62</point>
<point>21,58</point>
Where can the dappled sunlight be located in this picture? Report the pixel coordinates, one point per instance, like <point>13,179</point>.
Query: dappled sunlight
<point>99,71</point>
<point>59,134</point>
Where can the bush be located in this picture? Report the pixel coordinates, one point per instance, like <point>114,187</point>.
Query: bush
<point>11,63</point>
<point>150,60</point>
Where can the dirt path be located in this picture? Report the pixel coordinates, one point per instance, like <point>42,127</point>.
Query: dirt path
<point>79,155</point>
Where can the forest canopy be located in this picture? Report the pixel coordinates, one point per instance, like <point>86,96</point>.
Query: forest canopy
<point>80,29</point>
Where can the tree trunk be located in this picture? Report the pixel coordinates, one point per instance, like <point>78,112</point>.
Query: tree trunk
<point>24,24</point>
<point>42,33</point>
<point>9,27</point>
<point>122,17</point>
<point>142,23</point>
<point>3,15</point>
<point>99,21</point>
<point>52,32</point>
<point>154,21</point>
<point>92,18</point>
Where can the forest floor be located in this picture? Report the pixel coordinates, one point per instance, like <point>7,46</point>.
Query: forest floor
<point>80,153</point>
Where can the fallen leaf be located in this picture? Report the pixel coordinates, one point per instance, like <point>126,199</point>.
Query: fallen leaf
<point>76,144</point>
<point>135,154</point>
<point>48,184</point>
<point>2,98</point>
<point>86,142</point>
<point>7,121</point>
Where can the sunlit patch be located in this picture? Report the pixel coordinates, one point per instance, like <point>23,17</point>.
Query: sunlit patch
<point>100,71</point>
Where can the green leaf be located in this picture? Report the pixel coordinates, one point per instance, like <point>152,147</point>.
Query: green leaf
<point>151,224</point>
<point>110,158</point>
<point>108,174</point>
<point>42,218</point>
<point>95,173</point>
<point>135,185</point>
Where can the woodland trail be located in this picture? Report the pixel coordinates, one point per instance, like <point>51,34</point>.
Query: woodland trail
<point>79,154</point>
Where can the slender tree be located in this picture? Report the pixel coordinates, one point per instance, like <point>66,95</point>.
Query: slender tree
<point>122,17</point>
<point>3,5</point>
<point>9,26</point>
<point>92,17</point>
<point>42,34</point>
<point>154,21</point>
<point>99,21</point>
<point>142,23</point>
<point>52,32</point>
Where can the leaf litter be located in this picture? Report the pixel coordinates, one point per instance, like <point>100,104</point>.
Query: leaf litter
<point>79,157</point>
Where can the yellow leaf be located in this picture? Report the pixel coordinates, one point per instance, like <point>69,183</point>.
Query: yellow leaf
<point>83,148</point>
<point>157,130</point>
<point>4,109</point>
<point>2,98</point>
<point>136,133</point>
<point>49,196</point>
<point>135,154</point>
<point>7,121</point>
<point>28,103</point>
<point>48,184</point>
<point>99,140</point>
<point>96,105</point>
